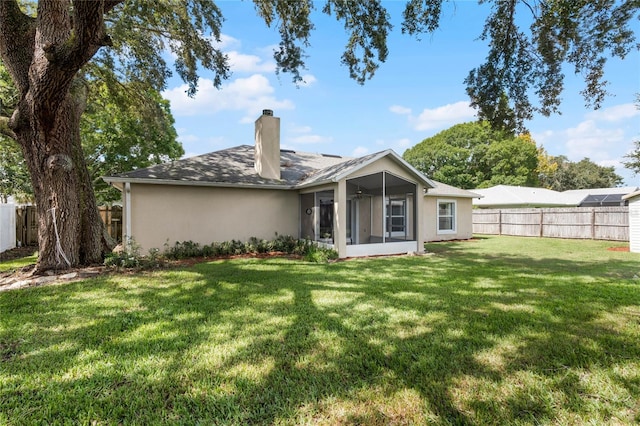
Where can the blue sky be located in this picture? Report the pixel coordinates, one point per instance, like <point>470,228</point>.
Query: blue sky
<point>415,94</point>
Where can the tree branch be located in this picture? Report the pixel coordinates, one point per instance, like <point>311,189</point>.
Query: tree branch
<point>16,42</point>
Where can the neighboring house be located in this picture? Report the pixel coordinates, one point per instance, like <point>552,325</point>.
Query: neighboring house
<point>505,196</point>
<point>600,197</point>
<point>369,205</point>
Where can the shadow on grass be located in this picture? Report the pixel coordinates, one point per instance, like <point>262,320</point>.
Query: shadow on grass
<point>448,340</point>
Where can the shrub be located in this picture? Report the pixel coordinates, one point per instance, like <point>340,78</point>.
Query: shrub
<point>130,258</point>
<point>282,244</point>
<point>183,250</point>
<point>317,254</point>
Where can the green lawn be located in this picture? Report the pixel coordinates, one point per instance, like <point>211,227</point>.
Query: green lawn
<point>494,331</point>
<point>13,264</point>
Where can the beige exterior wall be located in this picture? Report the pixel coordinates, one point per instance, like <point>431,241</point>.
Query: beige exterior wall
<point>207,214</point>
<point>384,164</point>
<point>464,219</point>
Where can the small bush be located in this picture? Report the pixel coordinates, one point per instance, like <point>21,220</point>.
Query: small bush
<point>184,250</point>
<point>317,254</point>
<point>131,258</point>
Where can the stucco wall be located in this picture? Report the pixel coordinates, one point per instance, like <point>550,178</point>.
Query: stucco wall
<point>383,164</point>
<point>205,214</point>
<point>464,219</point>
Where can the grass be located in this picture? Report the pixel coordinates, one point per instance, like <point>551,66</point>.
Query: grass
<point>13,264</point>
<point>501,330</point>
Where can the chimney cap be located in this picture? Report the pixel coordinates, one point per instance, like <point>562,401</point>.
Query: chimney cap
<point>268,112</point>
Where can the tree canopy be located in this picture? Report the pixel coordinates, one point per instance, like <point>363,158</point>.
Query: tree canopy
<point>126,126</point>
<point>584,174</point>
<point>473,155</point>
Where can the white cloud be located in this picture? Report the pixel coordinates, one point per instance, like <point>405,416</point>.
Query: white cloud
<point>587,139</point>
<point>308,80</point>
<point>304,135</point>
<point>239,62</point>
<point>360,151</point>
<point>227,42</point>
<point>251,95</point>
<point>399,109</point>
<point>615,113</point>
<point>443,116</point>
<point>436,118</point>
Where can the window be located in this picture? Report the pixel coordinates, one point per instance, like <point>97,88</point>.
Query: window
<point>446,216</point>
<point>396,217</point>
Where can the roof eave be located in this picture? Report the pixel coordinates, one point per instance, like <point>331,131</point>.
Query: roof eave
<point>425,180</point>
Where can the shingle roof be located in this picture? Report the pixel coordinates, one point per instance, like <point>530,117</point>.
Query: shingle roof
<point>235,167</point>
<point>444,190</point>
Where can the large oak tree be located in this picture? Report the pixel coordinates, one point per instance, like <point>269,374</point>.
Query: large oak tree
<point>45,51</point>
<point>475,155</point>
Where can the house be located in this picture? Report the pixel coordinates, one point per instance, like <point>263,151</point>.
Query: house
<point>506,196</point>
<point>600,197</point>
<point>370,205</point>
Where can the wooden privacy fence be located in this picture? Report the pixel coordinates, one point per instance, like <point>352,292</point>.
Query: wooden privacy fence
<point>27,223</point>
<point>112,218</point>
<point>597,223</point>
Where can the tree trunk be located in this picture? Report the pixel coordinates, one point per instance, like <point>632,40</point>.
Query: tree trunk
<point>43,57</point>
<point>69,226</point>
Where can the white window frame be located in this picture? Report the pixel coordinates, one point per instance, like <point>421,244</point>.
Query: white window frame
<point>389,201</point>
<point>454,228</point>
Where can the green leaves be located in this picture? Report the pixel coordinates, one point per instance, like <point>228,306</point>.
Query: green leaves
<point>367,23</point>
<point>126,126</point>
<point>583,174</point>
<point>472,155</point>
<point>581,33</point>
<point>190,30</point>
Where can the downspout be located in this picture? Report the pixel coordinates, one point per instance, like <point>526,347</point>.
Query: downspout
<point>127,203</point>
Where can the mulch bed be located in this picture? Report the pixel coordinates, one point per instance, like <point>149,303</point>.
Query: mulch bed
<point>618,249</point>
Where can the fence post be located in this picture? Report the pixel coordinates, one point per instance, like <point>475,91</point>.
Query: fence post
<point>541,222</point>
<point>593,223</point>
<point>499,221</point>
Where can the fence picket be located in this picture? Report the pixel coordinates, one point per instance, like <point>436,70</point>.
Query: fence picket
<point>599,223</point>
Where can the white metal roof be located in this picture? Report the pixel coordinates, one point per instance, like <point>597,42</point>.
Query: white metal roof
<point>524,196</point>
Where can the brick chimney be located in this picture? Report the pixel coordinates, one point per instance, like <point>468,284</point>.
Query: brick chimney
<point>267,158</point>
